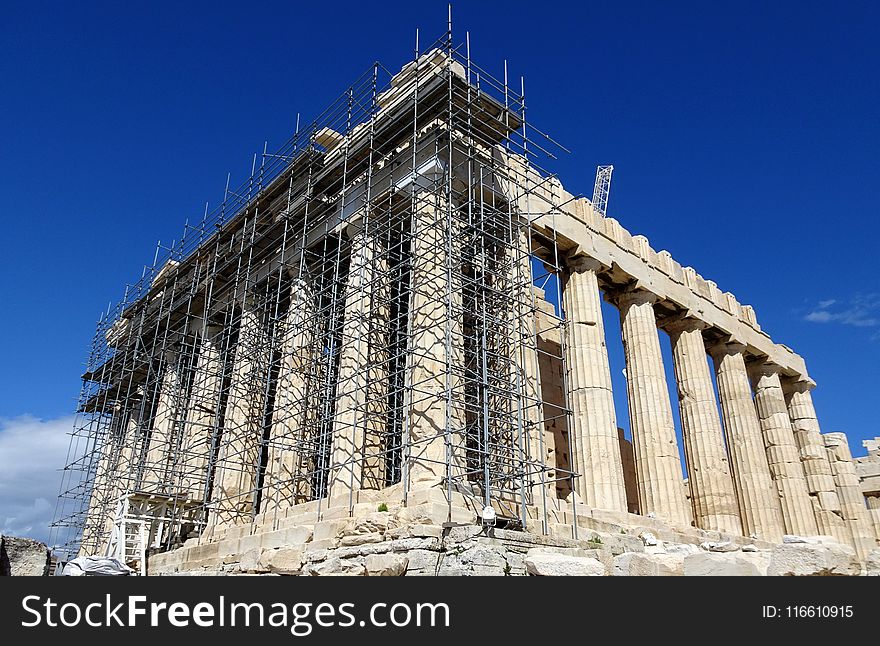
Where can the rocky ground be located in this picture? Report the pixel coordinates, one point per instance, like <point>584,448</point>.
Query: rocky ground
<point>395,544</point>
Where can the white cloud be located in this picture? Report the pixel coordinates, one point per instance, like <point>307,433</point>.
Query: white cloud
<point>819,316</point>
<point>862,310</point>
<point>32,452</point>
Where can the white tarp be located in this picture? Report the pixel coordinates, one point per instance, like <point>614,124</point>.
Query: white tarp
<point>96,566</point>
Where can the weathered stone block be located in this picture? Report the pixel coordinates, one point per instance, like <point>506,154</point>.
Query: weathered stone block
<point>726,564</point>
<point>386,564</point>
<point>813,559</point>
<point>540,563</point>
<point>373,522</point>
<point>284,560</point>
<point>641,564</point>
<point>228,546</point>
<point>250,560</point>
<point>425,531</point>
<point>247,543</point>
<point>334,566</point>
<point>331,530</point>
<point>361,539</point>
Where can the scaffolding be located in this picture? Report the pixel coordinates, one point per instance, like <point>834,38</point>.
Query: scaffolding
<point>375,276</point>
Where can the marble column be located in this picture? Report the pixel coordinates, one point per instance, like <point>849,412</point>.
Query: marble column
<point>361,390</point>
<point>782,451</point>
<point>814,459</point>
<point>202,414</point>
<point>238,458</point>
<point>294,419</point>
<point>539,441</point>
<point>759,507</point>
<point>169,408</point>
<point>852,501</point>
<point>595,448</point>
<point>713,495</point>
<point>132,443</point>
<point>658,465</point>
<point>434,441</point>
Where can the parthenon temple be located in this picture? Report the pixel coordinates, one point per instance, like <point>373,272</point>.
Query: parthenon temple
<point>397,321</point>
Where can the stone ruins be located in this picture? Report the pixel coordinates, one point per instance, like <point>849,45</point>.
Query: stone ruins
<point>385,354</point>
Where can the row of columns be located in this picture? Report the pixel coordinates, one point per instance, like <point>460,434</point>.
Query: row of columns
<point>761,468</point>
<point>189,428</point>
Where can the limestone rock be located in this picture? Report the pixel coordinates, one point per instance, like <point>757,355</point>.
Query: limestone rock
<point>749,548</point>
<point>23,557</point>
<point>422,561</point>
<point>331,530</point>
<point>726,564</point>
<point>386,564</point>
<point>813,559</point>
<point>484,560</point>
<point>250,560</point>
<point>642,564</point>
<point>334,566</point>
<point>682,548</point>
<point>544,564</point>
<point>284,560</point>
<point>362,539</point>
<point>375,522</point>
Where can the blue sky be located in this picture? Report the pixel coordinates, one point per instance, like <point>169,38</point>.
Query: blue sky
<point>744,137</point>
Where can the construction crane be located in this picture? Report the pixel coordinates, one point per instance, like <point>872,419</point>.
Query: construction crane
<point>601,189</point>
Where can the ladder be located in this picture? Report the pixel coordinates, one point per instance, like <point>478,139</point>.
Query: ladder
<point>128,538</point>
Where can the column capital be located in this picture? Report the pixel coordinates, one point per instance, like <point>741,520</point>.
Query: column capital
<point>835,439</point>
<point>798,384</point>
<point>764,368</point>
<point>634,296</point>
<point>355,226</point>
<point>726,347</point>
<point>683,323</point>
<point>578,264</point>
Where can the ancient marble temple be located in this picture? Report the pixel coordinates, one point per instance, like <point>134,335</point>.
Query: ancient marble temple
<point>401,311</point>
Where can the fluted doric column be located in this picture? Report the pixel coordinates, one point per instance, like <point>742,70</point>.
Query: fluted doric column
<point>238,458</point>
<point>361,394</point>
<point>539,443</point>
<point>782,451</point>
<point>434,444</point>
<point>852,502</point>
<point>120,475</point>
<point>758,499</point>
<point>814,459</point>
<point>202,413</point>
<point>169,407</point>
<point>713,496</point>
<point>288,467</point>
<point>658,465</point>
<point>594,444</point>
